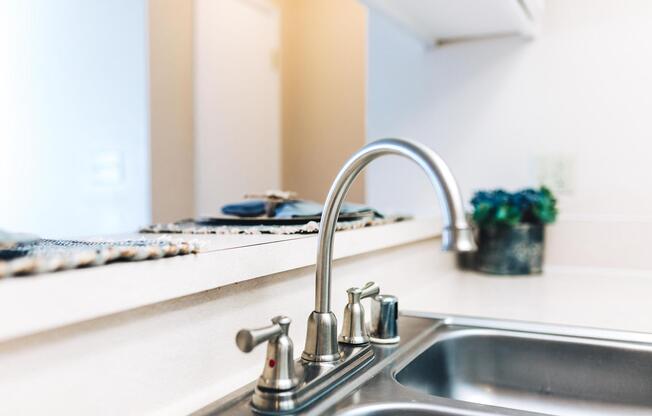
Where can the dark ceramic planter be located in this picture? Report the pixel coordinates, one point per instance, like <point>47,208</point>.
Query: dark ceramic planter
<point>510,250</point>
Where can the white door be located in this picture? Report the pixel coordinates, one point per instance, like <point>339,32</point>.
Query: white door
<point>237,100</point>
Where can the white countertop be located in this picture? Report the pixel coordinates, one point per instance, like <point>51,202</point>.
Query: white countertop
<point>600,298</point>
<point>47,301</point>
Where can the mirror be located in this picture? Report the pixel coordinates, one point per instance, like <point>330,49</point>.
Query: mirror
<point>116,114</point>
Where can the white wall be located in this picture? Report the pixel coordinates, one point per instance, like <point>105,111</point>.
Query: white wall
<point>582,90</point>
<point>397,72</point>
<point>237,101</point>
<point>73,116</point>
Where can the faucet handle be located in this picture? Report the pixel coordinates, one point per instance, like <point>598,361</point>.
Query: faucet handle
<point>278,373</point>
<point>354,330</point>
<point>248,339</point>
<point>368,290</point>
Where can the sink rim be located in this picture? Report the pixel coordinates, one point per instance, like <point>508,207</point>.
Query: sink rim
<point>397,406</point>
<point>575,331</point>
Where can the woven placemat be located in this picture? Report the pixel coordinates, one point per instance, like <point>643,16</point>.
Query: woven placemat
<point>46,256</point>
<point>312,227</point>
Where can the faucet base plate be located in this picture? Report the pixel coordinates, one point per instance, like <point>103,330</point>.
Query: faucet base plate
<point>316,378</point>
<point>321,338</point>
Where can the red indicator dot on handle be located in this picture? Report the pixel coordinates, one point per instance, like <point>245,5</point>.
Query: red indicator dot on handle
<point>272,363</point>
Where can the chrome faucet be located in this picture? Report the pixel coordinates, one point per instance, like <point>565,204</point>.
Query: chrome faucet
<point>285,386</point>
<point>321,338</point>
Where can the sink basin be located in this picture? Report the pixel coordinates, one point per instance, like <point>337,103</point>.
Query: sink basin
<point>550,374</point>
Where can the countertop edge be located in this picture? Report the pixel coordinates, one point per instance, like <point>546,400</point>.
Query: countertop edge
<point>44,302</point>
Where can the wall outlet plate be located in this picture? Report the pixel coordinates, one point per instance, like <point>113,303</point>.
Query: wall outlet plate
<point>557,172</point>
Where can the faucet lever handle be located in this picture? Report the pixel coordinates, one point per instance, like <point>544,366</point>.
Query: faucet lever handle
<point>248,339</point>
<point>354,330</point>
<point>278,372</point>
<point>369,289</point>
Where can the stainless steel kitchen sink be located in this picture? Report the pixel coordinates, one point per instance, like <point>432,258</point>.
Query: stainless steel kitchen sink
<point>551,374</point>
<point>460,366</point>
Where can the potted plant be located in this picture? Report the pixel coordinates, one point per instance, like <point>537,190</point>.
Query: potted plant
<point>510,230</point>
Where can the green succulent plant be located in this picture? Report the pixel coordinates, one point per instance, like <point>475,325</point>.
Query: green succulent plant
<point>527,206</point>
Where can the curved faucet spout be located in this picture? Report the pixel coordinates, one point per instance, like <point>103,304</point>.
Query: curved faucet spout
<point>456,234</point>
<point>321,341</point>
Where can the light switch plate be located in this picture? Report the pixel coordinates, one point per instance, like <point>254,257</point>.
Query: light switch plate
<point>107,169</point>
